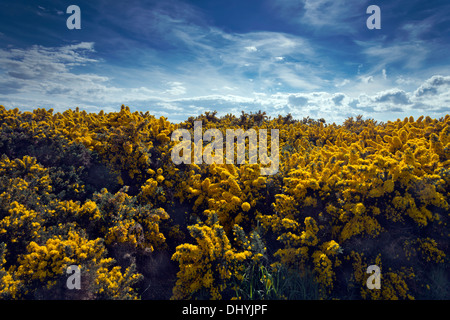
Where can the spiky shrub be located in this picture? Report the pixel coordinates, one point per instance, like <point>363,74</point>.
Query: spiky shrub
<point>209,264</point>
<point>345,197</point>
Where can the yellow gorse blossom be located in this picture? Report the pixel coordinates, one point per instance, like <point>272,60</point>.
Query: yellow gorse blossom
<point>51,259</point>
<point>345,197</point>
<point>209,263</point>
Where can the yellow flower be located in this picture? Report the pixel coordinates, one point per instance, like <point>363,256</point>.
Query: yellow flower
<point>245,206</point>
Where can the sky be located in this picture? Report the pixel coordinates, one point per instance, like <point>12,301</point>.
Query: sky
<point>179,58</point>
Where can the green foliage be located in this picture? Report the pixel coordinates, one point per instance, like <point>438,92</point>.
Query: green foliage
<point>267,283</point>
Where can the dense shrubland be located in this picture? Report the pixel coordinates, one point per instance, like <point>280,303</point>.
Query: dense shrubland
<point>99,190</point>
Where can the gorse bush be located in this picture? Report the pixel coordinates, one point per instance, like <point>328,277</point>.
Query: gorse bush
<point>100,191</point>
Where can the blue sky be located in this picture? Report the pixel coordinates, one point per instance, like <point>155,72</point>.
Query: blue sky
<point>182,58</point>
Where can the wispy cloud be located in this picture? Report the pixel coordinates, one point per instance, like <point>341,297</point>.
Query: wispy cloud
<point>39,74</point>
<point>401,55</point>
<point>336,16</point>
<point>47,75</point>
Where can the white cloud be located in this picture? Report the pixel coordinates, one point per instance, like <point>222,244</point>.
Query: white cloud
<point>366,79</point>
<point>435,85</point>
<point>342,83</point>
<point>318,14</point>
<point>176,89</point>
<point>298,100</point>
<point>401,80</point>
<point>433,96</point>
<point>43,76</point>
<point>394,96</point>
<point>410,55</point>
<point>338,98</point>
<point>296,80</point>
